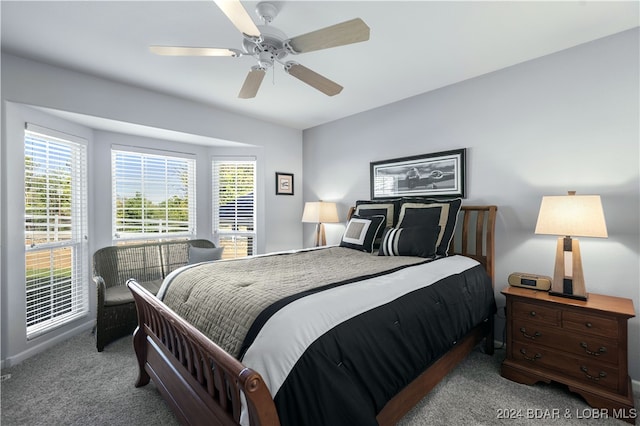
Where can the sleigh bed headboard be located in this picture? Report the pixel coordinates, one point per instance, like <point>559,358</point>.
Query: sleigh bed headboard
<point>476,237</point>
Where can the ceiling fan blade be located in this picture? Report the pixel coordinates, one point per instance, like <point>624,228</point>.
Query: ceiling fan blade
<point>194,51</point>
<point>313,79</point>
<point>353,31</point>
<point>252,83</point>
<point>239,17</point>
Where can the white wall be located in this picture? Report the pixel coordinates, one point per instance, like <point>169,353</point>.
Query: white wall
<point>27,84</point>
<point>567,121</point>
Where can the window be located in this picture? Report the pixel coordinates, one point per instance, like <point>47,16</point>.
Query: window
<point>153,195</point>
<point>234,207</point>
<point>55,226</point>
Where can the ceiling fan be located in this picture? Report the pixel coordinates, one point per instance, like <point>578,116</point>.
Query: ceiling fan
<point>269,45</point>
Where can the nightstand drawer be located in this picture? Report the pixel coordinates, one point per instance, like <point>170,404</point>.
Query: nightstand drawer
<point>591,324</point>
<point>593,347</point>
<point>535,312</point>
<point>591,372</point>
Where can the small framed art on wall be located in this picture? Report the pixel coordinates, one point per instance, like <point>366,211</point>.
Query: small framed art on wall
<point>284,183</point>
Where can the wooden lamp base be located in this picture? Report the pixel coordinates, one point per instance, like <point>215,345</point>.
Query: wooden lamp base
<point>321,239</point>
<point>568,278</point>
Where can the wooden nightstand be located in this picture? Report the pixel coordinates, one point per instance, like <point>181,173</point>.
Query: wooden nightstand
<point>582,344</point>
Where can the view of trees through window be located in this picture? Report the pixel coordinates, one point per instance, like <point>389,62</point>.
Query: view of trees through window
<point>47,220</point>
<point>55,229</point>
<point>154,196</point>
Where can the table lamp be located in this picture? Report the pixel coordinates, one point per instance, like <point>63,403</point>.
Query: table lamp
<point>320,212</point>
<point>570,216</point>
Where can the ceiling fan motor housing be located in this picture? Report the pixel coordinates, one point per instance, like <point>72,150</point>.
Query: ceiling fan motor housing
<point>271,48</point>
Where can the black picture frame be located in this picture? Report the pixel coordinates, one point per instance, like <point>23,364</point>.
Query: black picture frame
<point>284,183</point>
<point>437,175</point>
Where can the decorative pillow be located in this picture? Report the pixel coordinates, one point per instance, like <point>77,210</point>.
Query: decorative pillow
<point>368,209</point>
<point>389,208</point>
<point>198,254</point>
<point>376,210</point>
<point>361,232</point>
<point>412,241</point>
<point>414,210</point>
<point>416,214</point>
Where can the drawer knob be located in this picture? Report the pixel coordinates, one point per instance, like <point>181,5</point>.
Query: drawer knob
<point>523,351</point>
<point>602,350</point>
<point>585,370</point>
<point>589,325</point>
<point>529,336</point>
<point>532,313</point>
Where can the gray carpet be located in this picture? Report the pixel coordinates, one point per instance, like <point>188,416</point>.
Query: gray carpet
<point>73,384</point>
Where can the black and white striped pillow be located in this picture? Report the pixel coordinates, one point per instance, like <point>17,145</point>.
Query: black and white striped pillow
<point>412,241</point>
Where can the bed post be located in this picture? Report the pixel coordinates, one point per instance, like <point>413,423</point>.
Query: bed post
<point>140,348</point>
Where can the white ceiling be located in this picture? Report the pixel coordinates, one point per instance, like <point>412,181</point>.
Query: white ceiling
<point>415,47</point>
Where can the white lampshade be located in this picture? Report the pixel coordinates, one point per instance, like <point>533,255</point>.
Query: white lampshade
<point>320,212</point>
<point>572,215</point>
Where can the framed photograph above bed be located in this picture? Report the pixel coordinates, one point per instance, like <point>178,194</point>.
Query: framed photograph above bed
<point>440,174</point>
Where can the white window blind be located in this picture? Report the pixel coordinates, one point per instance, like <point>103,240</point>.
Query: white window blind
<point>153,195</point>
<point>234,206</point>
<point>56,252</point>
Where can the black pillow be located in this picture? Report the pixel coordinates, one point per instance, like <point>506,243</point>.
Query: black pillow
<point>390,206</point>
<point>412,241</point>
<point>361,232</point>
<point>448,218</point>
<point>420,215</point>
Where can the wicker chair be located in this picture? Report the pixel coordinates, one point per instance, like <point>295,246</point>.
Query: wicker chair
<point>149,264</point>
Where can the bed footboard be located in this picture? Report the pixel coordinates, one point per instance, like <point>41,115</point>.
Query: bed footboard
<point>201,382</point>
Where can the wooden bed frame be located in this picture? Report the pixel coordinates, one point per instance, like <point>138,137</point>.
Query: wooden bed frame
<point>205,385</point>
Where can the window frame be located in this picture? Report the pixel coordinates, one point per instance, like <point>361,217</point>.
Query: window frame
<point>146,157</point>
<point>56,259</point>
<point>234,241</point>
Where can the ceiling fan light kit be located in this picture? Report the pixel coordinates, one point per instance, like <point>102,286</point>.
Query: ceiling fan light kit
<point>268,45</point>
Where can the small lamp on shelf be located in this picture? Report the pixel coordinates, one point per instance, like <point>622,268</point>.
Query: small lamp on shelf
<point>320,212</point>
<point>570,216</point>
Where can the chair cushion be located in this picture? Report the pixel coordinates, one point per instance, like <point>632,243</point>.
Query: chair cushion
<point>121,294</point>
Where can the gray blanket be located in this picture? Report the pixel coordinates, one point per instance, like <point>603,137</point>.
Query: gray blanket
<point>222,299</point>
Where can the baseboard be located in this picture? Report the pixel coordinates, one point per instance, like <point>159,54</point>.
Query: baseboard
<point>18,358</point>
